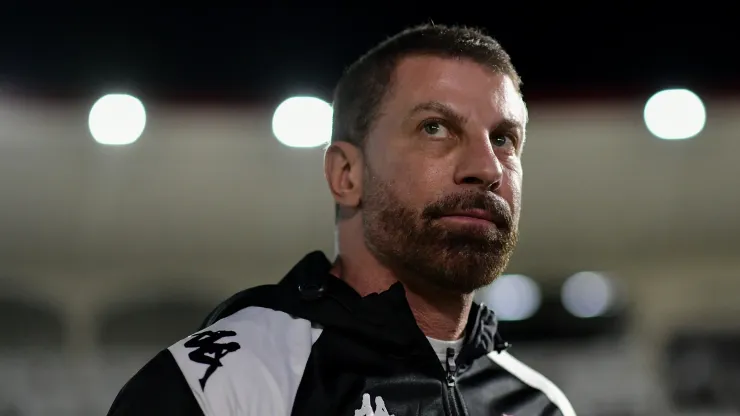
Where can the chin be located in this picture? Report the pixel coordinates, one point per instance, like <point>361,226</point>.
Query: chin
<point>463,276</point>
<point>465,285</point>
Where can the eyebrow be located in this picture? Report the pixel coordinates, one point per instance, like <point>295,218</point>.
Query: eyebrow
<point>508,125</point>
<point>440,108</point>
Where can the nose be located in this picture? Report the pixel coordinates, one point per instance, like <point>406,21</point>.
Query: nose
<point>479,166</point>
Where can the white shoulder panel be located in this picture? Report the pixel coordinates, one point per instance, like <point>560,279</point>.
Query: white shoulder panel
<point>533,379</point>
<point>247,364</point>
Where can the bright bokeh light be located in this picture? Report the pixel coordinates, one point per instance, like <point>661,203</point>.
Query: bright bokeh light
<point>302,122</point>
<point>117,119</point>
<point>675,114</point>
<point>588,295</point>
<point>513,297</point>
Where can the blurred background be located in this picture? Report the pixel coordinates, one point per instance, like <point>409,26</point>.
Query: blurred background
<point>154,161</point>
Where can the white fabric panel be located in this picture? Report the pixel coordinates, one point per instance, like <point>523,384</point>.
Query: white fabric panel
<point>261,377</point>
<point>533,379</point>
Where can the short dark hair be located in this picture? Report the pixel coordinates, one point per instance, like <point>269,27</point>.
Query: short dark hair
<point>361,90</point>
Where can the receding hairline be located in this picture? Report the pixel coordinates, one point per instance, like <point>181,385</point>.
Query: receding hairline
<point>399,60</point>
<point>367,84</point>
<point>490,66</point>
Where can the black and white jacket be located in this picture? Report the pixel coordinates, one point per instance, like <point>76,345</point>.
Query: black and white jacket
<point>311,345</point>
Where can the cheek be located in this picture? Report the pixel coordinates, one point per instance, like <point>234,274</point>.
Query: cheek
<point>412,190</point>
<point>512,188</point>
<point>413,175</point>
<point>433,182</point>
<point>415,189</point>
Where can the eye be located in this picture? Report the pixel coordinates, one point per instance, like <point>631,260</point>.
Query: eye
<point>435,129</point>
<point>503,141</point>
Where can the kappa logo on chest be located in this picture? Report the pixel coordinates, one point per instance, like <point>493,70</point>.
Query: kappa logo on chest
<point>367,409</point>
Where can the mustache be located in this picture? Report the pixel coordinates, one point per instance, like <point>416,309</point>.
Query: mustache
<point>492,204</point>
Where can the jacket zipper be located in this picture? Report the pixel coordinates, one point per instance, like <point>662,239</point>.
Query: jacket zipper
<point>451,373</point>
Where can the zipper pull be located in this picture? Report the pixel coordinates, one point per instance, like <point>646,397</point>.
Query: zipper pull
<point>451,367</point>
<point>499,344</point>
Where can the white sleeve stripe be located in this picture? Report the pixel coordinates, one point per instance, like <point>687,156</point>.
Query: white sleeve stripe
<point>533,379</point>
<point>272,350</point>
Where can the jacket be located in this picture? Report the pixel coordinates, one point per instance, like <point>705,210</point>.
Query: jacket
<point>310,345</point>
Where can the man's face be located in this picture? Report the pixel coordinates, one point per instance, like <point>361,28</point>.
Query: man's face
<point>442,183</point>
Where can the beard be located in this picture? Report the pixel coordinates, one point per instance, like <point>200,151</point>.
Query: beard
<point>422,250</point>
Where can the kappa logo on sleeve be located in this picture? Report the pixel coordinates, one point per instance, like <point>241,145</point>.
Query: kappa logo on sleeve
<point>210,352</point>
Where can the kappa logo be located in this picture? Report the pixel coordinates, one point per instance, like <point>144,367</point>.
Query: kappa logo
<point>209,352</point>
<point>367,409</point>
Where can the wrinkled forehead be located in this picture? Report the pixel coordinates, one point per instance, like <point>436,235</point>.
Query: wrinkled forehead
<point>462,84</point>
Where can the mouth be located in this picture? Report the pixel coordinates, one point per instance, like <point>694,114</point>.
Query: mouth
<point>479,214</point>
<point>472,216</point>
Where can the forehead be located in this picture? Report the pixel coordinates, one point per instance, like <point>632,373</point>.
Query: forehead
<point>466,86</point>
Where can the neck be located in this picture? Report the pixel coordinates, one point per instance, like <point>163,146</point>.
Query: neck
<point>439,314</point>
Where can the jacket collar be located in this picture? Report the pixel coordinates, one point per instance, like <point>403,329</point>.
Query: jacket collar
<point>330,302</point>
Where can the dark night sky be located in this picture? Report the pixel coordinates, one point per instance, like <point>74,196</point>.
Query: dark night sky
<point>259,53</point>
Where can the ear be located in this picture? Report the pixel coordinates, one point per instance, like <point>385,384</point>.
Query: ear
<point>343,172</point>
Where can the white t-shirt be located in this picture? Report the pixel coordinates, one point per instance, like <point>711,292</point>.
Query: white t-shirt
<point>440,347</point>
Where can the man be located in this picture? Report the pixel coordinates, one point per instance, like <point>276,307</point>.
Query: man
<point>425,168</point>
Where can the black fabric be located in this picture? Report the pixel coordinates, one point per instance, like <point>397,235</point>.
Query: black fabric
<point>159,388</point>
<point>308,291</point>
<point>488,389</point>
<point>368,346</point>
